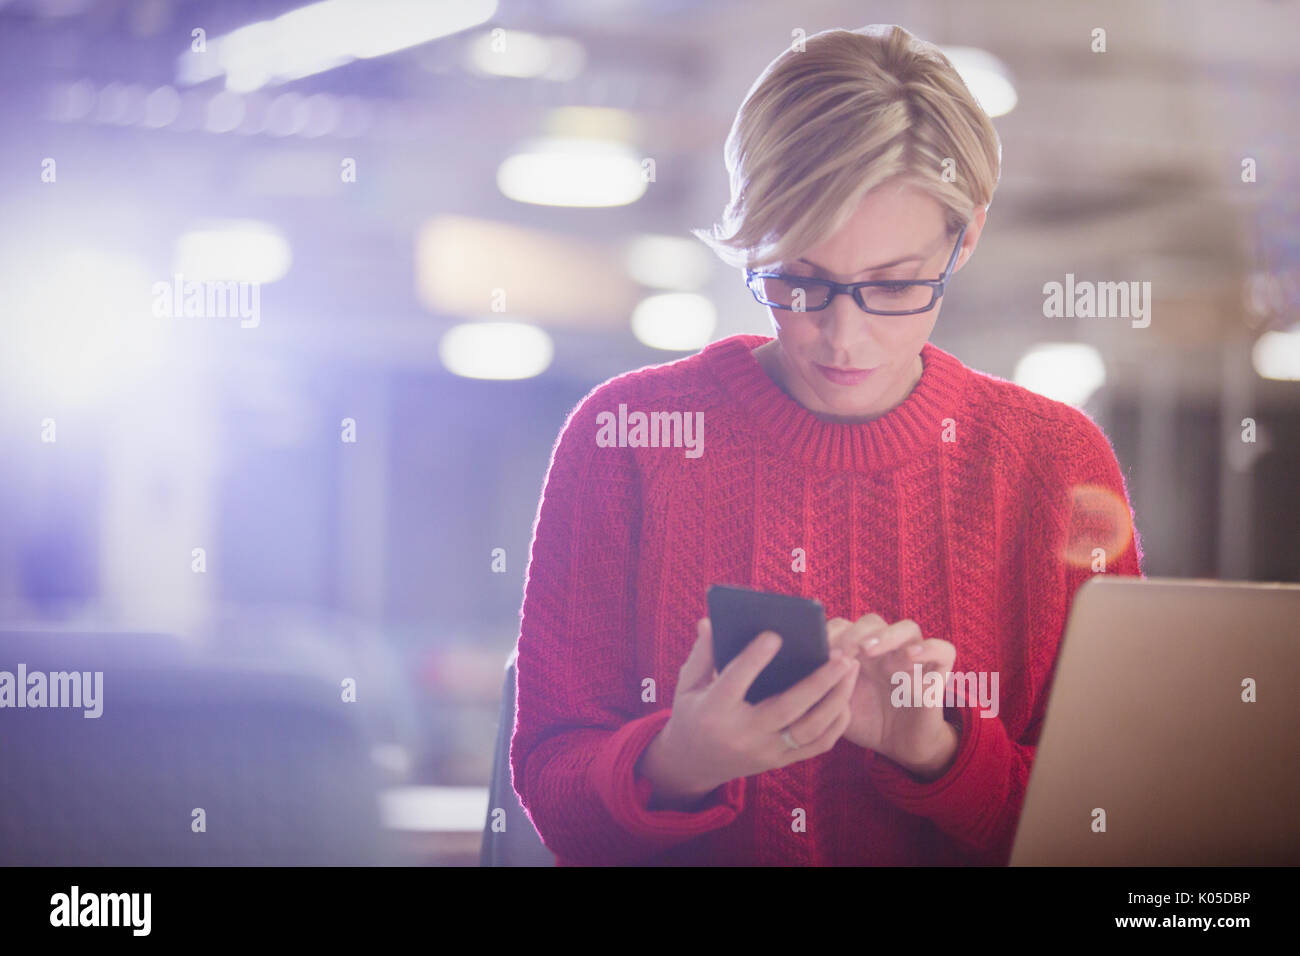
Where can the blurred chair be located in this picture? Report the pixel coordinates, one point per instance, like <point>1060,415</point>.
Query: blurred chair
<point>518,844</point>
<point>279,765</point>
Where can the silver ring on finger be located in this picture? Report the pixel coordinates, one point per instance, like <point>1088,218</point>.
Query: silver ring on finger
<point>789,741</point>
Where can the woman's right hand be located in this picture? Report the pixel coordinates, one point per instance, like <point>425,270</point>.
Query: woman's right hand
<point>714,735</point>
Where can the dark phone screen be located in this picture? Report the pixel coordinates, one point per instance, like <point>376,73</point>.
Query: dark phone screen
<point>739,615</point>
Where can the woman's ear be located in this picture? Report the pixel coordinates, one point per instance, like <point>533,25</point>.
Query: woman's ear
<point>972,237</point>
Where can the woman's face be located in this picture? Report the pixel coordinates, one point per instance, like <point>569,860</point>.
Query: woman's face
<point>897,232</point>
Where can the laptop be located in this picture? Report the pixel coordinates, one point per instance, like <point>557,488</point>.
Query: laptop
<point>1149,730</point>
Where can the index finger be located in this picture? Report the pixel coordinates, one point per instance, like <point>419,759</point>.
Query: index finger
<point>850,635</point>
<point>733,683</point>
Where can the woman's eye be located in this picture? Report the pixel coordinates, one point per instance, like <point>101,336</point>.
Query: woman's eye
<point>894,288</point>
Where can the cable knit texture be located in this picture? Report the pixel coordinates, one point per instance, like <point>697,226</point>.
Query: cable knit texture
<point>975,507</point>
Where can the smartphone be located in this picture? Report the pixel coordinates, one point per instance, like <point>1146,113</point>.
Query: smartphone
<point>739,615</point>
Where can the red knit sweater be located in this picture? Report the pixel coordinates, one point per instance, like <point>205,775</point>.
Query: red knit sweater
<point>974,508</point>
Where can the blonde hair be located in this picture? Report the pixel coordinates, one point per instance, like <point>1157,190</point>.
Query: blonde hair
<point>824,125</point>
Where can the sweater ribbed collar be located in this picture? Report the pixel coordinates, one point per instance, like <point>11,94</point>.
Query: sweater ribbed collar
<point>911,429</point>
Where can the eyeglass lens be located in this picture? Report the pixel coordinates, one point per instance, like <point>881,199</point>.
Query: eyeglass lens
<point>800,295</point>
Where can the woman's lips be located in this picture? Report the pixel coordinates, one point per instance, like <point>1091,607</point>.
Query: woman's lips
<point>841,377</point>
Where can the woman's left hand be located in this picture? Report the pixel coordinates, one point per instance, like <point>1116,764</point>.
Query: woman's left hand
<point>917,738</point>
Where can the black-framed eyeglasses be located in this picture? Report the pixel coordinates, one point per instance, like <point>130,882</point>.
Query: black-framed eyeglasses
<point>891,297</point>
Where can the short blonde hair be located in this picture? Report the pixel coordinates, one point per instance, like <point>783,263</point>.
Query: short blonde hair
<point>824,125</point>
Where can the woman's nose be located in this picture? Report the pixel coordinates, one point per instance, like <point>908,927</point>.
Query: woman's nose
<point>845,327</point>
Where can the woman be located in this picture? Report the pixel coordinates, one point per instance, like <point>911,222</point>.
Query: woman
<point>944,517</point>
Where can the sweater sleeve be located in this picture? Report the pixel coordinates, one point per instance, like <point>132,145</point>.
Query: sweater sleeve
<point>580,726</point>
<point>978,801</point>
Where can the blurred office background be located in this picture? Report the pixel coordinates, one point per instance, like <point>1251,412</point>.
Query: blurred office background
<point>444,209</point>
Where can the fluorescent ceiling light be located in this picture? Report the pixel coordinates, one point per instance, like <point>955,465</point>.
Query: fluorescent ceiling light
<point>496,350</point>
<point>1068,372</point>
<point>322,36</point>
<point>1276,355</point>
<point>677,322</point>
<point>572,172</point>
<point>244,251</point>
<point>668,262</point>
<point>986,76</point>
<point>518,54</point>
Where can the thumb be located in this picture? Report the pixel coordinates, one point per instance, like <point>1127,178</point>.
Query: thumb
<point>698,669</point>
